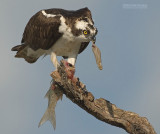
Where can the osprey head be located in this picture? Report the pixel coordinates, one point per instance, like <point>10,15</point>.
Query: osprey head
<point>85,28</point>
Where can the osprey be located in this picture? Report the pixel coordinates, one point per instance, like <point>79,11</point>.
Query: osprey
<point>56,32</point>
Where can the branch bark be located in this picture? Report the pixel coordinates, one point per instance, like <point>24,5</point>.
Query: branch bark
<point>100,108</point>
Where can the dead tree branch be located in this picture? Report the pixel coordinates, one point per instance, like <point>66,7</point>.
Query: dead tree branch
<point>100,108</point>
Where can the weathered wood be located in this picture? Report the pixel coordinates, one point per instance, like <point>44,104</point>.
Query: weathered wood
<point>100,108</point>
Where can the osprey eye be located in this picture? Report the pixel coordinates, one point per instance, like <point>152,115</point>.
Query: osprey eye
<point>85,32</point>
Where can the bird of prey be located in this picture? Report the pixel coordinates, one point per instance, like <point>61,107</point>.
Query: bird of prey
<point>57,32</point>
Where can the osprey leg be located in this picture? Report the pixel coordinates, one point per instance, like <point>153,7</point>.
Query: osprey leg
<point>54,60</point>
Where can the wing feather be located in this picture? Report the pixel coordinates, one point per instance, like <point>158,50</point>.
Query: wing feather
<point>41,32</point>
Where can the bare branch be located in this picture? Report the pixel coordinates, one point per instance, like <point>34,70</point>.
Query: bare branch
<point>100,108</point>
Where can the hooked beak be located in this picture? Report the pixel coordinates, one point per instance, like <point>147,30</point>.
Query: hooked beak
<point>94,39</point>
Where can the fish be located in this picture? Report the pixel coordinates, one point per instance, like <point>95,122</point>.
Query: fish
<point>53,95</point>
<point>97,55</point>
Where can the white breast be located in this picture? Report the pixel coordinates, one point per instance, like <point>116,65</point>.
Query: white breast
<point>65,47</point>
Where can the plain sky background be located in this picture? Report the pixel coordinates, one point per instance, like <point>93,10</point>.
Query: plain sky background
<point>129,39</point>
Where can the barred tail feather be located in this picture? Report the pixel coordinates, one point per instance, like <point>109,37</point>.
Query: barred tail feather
<point>16,48</point>
<point>22,53</point>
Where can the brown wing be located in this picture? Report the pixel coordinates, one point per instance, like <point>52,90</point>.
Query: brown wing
<point>41,32</point>
<point>83,46</point>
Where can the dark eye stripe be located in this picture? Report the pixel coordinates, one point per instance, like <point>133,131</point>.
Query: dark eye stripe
<point>84,19</point>
<point>88,31</point>
<point>90,26</point>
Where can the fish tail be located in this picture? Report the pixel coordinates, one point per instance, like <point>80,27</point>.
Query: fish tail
<point>48,116</point>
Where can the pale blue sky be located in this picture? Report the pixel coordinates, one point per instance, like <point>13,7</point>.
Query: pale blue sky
<point>129,38</point>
